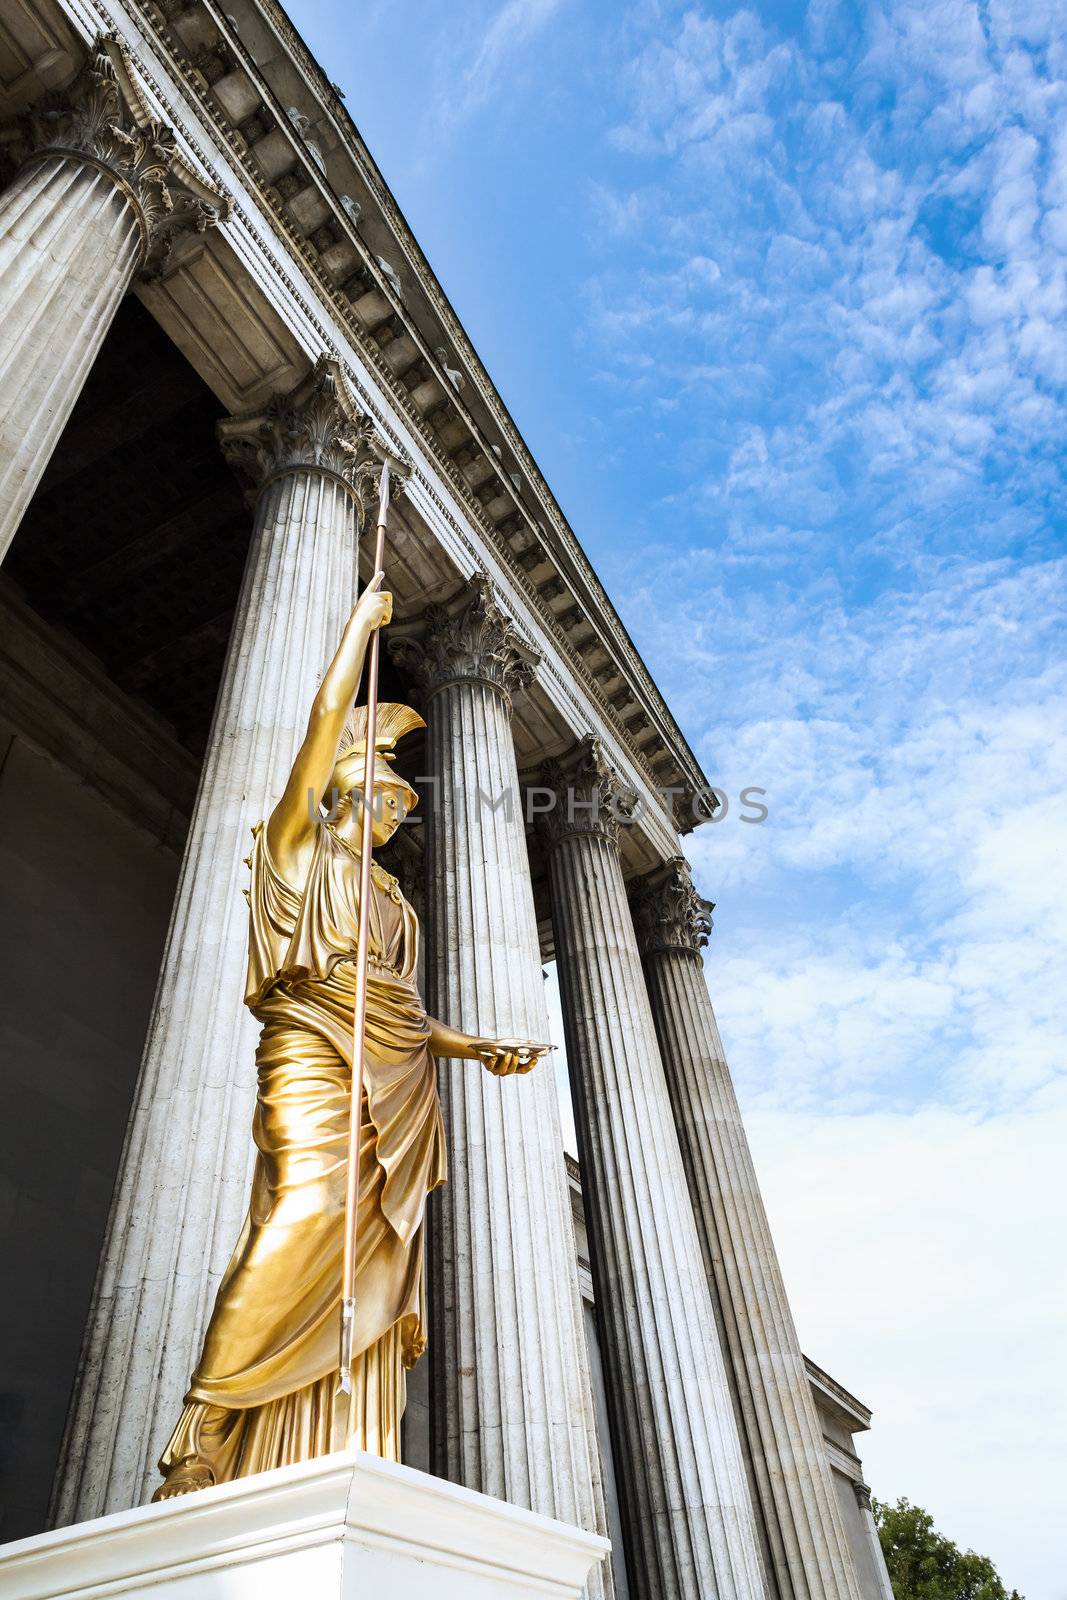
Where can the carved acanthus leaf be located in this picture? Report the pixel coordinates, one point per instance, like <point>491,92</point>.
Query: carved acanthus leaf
<point>371,461</point>
<point>470,637</point>
<point>588,795</point>
<point>103,116</point>
<point>316,425</point>
<point>668,912</point>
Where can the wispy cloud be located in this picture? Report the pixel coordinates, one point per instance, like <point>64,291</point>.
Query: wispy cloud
<point>886,319</point>
<point>914,751</point>
<point>512,27</point>
<point>887,966</point>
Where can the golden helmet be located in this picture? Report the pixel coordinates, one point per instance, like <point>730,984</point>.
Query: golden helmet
<point>392,723</point>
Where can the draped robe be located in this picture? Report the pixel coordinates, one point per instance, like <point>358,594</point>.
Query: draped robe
<point>265,1390</point>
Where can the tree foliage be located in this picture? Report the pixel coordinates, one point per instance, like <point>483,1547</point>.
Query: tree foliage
<point>924,1565</point>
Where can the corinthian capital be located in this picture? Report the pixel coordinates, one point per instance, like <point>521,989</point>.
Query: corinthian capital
<point>102,118</point>
<point>587,795</point>
<point>317,427</point>
<point>470,637</point>
<point>668,912</point>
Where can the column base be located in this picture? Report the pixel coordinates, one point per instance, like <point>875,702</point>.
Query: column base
<point>343,1527</point>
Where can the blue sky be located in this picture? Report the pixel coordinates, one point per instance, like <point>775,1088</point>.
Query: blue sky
<point>777,298</point>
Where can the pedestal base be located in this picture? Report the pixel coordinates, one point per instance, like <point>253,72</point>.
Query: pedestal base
<point>346,1527</point>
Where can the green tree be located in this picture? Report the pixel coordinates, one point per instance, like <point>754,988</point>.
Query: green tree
<point>924,1565</point>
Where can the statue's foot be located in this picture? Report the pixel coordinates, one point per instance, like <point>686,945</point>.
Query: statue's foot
<point>184,1478</point>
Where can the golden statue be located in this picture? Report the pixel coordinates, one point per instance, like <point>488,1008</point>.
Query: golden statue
<point>266,1391</point>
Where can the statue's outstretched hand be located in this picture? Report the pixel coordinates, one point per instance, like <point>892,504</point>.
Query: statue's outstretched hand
<point>505,1056</point>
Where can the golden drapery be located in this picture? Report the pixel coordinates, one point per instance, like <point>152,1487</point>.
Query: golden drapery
<point>265,1390</point>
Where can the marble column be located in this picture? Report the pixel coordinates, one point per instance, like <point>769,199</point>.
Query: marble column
<point>804,1541</point>
<point>686,1505</point>
<point>512,1403</point>
<point>182,1185</point>
<point>99,194</point>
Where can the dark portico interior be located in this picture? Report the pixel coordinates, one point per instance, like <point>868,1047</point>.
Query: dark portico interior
<point>136,539</point>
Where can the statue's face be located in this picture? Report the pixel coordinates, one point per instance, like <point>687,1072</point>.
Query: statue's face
<point>392,802</point>
<point>390,809</point>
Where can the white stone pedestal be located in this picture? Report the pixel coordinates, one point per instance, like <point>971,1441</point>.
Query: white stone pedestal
<point>345,1527</point>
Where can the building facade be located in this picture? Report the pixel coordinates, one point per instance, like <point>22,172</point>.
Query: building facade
<point>207,294</point>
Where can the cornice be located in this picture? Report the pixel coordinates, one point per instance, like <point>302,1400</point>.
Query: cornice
<point>855,1416</point>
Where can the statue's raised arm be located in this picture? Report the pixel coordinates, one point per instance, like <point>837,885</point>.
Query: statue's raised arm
<point>290,828</point>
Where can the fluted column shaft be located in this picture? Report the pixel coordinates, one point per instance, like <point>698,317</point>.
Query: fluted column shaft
<point>69,246</point>
<point>512,1405</point>
<point>78,220</point>
<point>805,1544</point>
<point>183,1180</point>
<point>687,1511</point>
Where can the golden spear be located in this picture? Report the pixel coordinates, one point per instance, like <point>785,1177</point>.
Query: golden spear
<point>348,1270</point>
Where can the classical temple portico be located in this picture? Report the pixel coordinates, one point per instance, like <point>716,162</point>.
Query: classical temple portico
<point>201,161</point>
